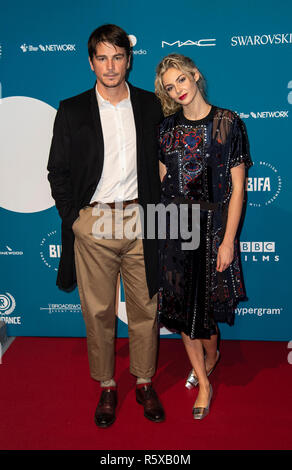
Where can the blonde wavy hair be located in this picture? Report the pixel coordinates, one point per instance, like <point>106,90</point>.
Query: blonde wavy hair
<point>187,66</point>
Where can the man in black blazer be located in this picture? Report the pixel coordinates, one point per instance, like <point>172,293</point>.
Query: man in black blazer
<point>103,165</point>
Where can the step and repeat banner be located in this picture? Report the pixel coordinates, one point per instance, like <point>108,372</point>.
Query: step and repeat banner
<point>245,53</point>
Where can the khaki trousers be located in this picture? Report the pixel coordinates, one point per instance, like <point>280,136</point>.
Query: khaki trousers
<point>98,264</point>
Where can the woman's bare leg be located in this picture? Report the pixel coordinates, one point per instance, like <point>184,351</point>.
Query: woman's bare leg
<point>195,352</point>
<point>210,346</point>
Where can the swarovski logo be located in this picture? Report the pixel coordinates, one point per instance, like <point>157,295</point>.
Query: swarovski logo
<point>263,40</point>
<point>189,42</point>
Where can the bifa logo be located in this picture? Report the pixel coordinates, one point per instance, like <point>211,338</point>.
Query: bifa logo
<point>7,306</point>
<point>51,249</point>
<point>258,184</point>
<point>259,251</point>
<point>264,184</point>
<point>199,43</point>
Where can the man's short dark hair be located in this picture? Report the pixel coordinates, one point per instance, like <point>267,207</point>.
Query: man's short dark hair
<point>109,33</point>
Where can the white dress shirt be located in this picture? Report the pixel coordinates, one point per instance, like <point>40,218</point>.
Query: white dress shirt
<point>119,175</point>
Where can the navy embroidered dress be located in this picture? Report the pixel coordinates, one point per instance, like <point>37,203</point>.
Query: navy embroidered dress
<point>198,156</point>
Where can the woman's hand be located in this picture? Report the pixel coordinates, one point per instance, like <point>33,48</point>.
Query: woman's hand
<point>225,256</point>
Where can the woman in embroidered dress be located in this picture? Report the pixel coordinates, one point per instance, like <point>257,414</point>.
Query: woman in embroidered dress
<point>203,160</point>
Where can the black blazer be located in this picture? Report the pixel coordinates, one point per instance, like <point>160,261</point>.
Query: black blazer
<point>76,162</point>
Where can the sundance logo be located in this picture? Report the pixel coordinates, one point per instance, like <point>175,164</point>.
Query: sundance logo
<point>49,48</point>
<point>7,306</point>
<point>263,40</point>
<point>189,42</point>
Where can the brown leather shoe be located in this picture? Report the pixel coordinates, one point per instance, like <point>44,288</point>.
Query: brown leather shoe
<point>147,397</point>
<point>105,411</point>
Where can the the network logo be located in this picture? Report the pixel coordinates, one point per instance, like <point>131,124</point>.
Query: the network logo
<point>48,48</point>
<point>265,115</point>
<point>189,42</point>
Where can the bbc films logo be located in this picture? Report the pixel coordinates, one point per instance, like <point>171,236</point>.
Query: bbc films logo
<point>265,115</point>
<point>262,252</point>
<point>62,308</point>
<point>7,307</point>
<point>51,250</point>
<point>189,42</point>
<point>262,40</point>
<point>48,48</point>
<point>264,186</point>
<point>133,40</point>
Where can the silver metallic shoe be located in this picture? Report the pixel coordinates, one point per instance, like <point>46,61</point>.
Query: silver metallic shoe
<point>200,412</point>
<point>192,380</point>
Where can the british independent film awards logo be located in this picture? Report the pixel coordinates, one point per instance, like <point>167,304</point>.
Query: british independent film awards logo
<point>263,185</point>
<point>50,251</point>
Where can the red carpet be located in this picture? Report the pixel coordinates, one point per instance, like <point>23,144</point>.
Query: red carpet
<point>47,399</point>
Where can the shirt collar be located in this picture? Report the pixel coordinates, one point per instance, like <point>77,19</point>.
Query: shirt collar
<point>102,103</point>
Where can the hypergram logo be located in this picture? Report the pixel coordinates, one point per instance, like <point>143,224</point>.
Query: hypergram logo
<point>258,311</point>
<point>189,42</point>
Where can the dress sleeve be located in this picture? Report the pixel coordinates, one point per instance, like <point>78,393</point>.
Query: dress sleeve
<point>161,156</point>
<point>240,145</point>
